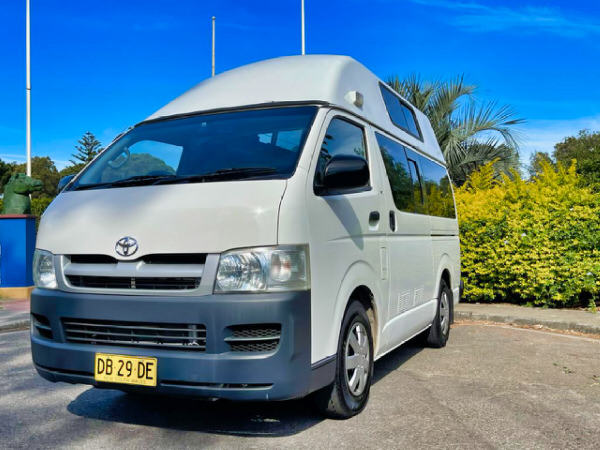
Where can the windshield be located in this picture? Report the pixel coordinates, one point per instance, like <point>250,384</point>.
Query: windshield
<point>236,145</point>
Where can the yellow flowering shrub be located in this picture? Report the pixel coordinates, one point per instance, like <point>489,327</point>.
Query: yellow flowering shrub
<point>535,242</point>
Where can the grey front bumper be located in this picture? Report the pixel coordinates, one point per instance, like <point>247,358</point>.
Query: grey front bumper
<point>282,373</point>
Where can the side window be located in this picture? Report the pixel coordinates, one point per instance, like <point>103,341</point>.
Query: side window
<point>401,114</point>
<point>341,138</point>
<point>396,168</point>
<point>417,180</point>
<point>437,188</point>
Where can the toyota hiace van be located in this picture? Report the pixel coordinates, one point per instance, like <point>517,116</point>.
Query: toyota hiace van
<point>267,235</point>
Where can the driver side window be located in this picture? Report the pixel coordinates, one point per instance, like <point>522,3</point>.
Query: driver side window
<point>341,138</point>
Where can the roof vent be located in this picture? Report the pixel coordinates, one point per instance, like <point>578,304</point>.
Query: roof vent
<point>355,98</point>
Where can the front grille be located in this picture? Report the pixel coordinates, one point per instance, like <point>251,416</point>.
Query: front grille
<point>136,334</point>
<point>254,338</point>
<point>159,258</point>
<point>92,259</point>
<point>176,272</point>
<point>175,258</point>
<point>162,283</point>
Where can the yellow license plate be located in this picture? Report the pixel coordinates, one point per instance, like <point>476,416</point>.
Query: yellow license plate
<point>125,369</point>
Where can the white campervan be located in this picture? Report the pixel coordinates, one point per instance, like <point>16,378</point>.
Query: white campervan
<point>266,235</point>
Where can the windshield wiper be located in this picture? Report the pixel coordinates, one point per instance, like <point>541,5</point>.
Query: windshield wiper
<point>236,170</point>
<point>141,179</point>
<point>83,187</point>
<point>137,180</point>
<point>227,173</point>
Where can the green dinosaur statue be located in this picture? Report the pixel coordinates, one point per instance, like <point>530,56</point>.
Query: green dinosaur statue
<point>16,194</point>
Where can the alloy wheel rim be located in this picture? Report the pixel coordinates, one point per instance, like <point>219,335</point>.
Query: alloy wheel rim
<point>357,359</point>
<point>444,313</point>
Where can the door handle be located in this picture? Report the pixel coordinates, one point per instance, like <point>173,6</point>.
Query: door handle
<point>374,216</point>
<point>392,221</point>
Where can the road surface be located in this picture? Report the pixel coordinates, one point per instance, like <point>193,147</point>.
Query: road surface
<point>491,387</point>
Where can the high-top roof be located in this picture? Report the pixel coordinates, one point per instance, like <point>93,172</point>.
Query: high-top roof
<point>307,78</point>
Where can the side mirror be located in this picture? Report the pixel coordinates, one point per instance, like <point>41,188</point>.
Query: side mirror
<point>64,181</point>
<point>346,172</point>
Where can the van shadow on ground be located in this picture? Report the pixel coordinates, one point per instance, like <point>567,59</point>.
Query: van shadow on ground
<point>274,419</point>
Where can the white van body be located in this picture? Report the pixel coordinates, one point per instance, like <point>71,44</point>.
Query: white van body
<point>359,244</point>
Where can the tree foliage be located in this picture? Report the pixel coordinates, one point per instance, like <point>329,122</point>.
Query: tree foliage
<point>42,168</point>
<point>537,161</point>
<point>5,173</point>
<point>470,133</point>
<point>534,241</point>
<point>585,148</point>
<point>86,151</point>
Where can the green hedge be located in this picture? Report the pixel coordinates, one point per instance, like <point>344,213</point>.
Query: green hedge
<point>530,242</point>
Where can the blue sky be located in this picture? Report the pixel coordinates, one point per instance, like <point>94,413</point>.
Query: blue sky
<point>103,65</point>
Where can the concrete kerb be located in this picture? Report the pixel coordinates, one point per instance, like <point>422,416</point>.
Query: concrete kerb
<point>588,323</point>
<point>16,325</point>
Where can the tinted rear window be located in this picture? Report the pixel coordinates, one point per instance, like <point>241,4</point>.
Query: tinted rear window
<point>398,173</point>
<point>438,192</point>
<point>401,114</point>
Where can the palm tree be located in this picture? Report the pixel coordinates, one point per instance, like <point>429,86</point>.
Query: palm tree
<point>470,133</point>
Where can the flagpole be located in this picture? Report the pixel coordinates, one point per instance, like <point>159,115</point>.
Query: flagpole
<point>213,46</point>
<point>303,46</point>
<point>28,86</point>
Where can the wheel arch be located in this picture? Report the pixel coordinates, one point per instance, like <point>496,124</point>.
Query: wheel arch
<point>360,283</point>
<point>364,295</point>
<point>444,273</point>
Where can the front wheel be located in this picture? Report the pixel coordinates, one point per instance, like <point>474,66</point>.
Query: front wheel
<point>349,393</point>
<point>440,328</point>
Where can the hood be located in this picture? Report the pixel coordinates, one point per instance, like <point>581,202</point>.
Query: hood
<point>182,218</point>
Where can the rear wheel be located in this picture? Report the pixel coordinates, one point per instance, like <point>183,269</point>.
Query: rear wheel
<point>440,328</point>
<point>349,393</point>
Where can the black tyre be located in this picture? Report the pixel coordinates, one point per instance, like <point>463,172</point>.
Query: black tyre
<point>440,328</point>
<point>349,393</point>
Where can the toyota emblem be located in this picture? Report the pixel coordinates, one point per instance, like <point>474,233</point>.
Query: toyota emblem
<point>126,246</point>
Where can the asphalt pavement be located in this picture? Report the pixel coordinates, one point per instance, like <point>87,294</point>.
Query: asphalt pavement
<point>493,386</point>
<point>14,314</point>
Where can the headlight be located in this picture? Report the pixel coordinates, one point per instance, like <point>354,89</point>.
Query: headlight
<point>44,275</point>
<point>264,269</point>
